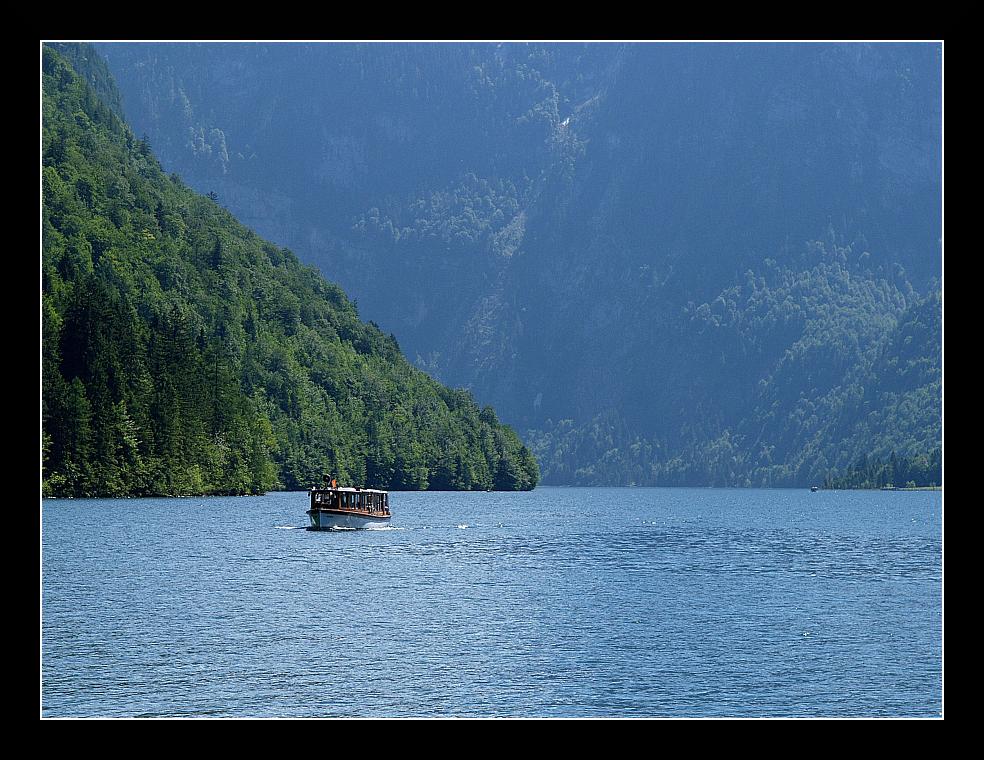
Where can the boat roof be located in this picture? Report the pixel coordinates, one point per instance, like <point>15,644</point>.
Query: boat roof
<point>350,489</point>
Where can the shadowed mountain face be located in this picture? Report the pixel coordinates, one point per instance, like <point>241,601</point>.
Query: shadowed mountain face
<point>668,263</point>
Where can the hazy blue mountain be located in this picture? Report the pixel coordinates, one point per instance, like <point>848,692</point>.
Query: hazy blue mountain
<point>670,263</point>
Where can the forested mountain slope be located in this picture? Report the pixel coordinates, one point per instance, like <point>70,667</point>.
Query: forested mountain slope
<point>668,263</point>
<point>183,354</point>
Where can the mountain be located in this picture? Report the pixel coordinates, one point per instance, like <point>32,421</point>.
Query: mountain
<point>667,263</point>
<point>183,354</point>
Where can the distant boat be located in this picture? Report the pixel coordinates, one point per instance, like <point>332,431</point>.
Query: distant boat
<point>814,489</point>
<point>347,508</point>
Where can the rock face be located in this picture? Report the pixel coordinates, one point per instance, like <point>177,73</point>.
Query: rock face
<point>584,235</point>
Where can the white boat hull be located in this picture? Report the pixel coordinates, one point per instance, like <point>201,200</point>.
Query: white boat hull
<point>321,520</point>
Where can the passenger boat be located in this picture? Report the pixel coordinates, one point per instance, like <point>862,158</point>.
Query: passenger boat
<point>348,508</point>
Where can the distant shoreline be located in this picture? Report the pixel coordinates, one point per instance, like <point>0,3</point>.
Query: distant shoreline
<point>539,487</point>
<point>885,488</point>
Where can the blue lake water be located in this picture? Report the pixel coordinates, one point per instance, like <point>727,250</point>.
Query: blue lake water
<point>559,602</point>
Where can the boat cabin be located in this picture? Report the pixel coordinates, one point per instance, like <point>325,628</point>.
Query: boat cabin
<point>363,501</point>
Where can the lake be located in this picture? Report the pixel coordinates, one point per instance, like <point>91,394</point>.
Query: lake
<point>560,602</point>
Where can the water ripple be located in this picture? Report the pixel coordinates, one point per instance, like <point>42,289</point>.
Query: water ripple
<point>704,603</point>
